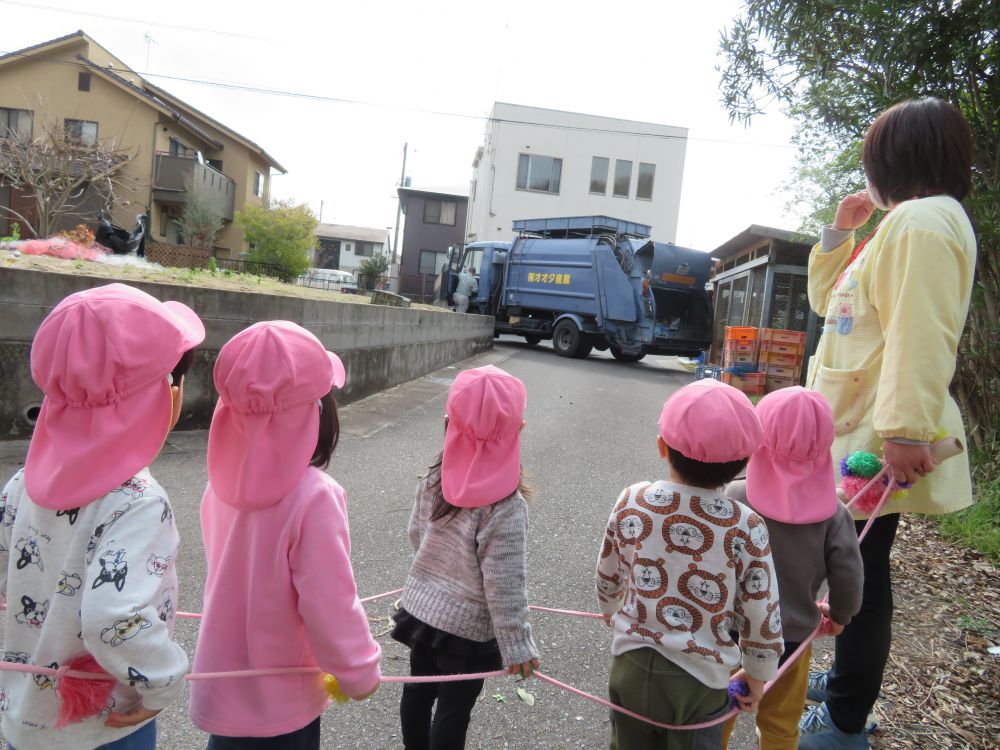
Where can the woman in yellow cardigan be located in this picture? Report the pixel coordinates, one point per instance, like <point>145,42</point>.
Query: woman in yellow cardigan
<point>894,308</point>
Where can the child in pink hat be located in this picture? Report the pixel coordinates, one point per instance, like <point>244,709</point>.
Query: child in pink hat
<point>790,482</point>
<point>280,590</point>
<point>87,540</point>
<point>681,567</point>
<point>464,606</point>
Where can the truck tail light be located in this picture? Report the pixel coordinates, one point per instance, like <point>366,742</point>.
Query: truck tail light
<point>645,287</point>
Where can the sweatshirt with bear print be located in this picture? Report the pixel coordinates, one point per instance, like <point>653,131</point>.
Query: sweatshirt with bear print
<point>682,567</point>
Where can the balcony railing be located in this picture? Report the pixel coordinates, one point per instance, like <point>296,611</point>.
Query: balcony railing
<point>172,175</point>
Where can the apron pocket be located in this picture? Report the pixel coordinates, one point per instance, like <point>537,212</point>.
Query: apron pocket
<point>847,392</point>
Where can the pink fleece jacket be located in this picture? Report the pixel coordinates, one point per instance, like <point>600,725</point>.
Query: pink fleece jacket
<point>280,593</point>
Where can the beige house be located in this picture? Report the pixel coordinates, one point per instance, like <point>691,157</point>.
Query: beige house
<point>76,84</point>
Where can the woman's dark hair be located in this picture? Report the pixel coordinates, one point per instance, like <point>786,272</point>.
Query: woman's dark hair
<point>444,509</point>
<point>329,432</point>
<point>703,473</point>
<point>182,367</point>
<point>917,148</point>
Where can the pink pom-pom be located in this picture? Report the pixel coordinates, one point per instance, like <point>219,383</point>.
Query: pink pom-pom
<point>825,624</point>
<point>81,697</point>
<point>868,501</point>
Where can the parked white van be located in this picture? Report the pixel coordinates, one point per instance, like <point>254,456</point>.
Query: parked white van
<point>329,278</point>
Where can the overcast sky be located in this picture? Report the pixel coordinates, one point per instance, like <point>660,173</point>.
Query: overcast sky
<point>427,73</point>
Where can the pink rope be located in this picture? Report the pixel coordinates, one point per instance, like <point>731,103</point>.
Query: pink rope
<point>63,672</point>
<point>571,612</point>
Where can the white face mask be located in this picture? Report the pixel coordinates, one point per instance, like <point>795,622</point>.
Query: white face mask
<point>874,195</point>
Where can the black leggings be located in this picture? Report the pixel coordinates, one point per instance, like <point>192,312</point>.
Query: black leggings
<point>862,650</point>
<point>306,738</point>
<point>455,701</point>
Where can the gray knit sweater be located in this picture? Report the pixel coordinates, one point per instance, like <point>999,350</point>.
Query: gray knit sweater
<point>806,554</point>
<point>468,574</point>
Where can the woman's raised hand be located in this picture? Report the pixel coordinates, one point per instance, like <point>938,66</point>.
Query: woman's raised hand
<point>854,211</point>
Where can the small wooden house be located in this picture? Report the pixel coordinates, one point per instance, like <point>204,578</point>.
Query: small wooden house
<point>760,281</point>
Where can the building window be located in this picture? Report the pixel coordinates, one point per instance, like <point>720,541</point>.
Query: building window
<point>83,82</point>
<point>16,123</point>
<point>599,175</point>
<point>539,173</point>
<point>258,184</point>
<point>177,148</point>
<point>440,212</point>
<point>623,178</point>
<point>644,184</point>
<point>432,261</point>
<point>365,249</point>
<point>215,164</point>
<point>82,132</point>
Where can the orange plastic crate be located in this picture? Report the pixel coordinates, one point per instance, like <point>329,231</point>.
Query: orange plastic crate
<point>741,333</point>
<point>780,371</point>
<point>773,383</point>
<point>780,347</point>
<point>782,335</point>
<point>739,358</point>
<point>741,347</point>
<point>785,360</point>
<point>748,382</point>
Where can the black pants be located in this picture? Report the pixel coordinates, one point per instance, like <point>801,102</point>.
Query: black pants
<point>862,650</point>
<point>455,701</point>
<point>306,738</point>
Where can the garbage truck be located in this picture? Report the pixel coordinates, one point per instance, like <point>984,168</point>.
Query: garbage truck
<point>589,282</point>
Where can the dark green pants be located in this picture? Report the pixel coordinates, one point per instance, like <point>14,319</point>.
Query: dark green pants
<point>646,682</point>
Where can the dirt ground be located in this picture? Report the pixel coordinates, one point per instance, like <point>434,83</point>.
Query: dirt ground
<point>942,686</point>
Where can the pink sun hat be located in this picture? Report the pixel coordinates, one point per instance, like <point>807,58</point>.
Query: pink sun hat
<point>710,421</point>
<point>482,445</point>
<point>266,423</point>
<point>791,479</point>
<point>103,359</point>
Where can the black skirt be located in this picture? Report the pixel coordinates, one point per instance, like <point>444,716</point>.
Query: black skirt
<point>453,654</point>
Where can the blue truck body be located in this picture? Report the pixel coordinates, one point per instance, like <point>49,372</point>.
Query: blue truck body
<point>589,282</point>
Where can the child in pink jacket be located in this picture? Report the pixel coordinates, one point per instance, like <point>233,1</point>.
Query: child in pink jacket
<point>280,590</point>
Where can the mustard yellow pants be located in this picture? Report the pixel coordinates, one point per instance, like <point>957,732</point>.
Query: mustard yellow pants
<point>781,708</point>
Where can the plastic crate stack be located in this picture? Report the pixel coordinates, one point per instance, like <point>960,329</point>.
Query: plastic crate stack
<point>781,356</point>
<point>739,360</point>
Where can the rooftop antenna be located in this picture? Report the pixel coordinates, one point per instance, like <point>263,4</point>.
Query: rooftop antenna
<point>149,41</point>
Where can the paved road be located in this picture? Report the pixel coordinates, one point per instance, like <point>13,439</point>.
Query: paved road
<point>591,427</point>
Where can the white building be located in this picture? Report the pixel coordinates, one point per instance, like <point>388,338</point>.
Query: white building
<point>346,247</point>
<point>541,163</point>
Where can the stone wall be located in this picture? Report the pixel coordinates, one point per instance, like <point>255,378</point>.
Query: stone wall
<point>380,346</point>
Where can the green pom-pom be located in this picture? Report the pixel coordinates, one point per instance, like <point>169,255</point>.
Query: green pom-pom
<point>863,464</point>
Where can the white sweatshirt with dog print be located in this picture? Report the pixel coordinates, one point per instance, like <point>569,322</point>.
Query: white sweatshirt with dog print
<point>98,579</point>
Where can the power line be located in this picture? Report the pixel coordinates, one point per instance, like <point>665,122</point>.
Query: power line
<point>266,91</point>
<point>139,21</point>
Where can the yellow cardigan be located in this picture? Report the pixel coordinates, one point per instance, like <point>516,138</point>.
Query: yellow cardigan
<point>892,322</point>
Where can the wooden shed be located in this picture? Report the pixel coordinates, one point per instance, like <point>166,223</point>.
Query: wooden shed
<point>760,281</point>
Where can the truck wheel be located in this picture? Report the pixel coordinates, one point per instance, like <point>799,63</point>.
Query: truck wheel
<point>566,338</point>
<point>623,357</point>
<point>532,340</point>
<point>583,350</point>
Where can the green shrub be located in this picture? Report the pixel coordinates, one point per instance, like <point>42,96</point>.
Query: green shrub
<point>978,527</point>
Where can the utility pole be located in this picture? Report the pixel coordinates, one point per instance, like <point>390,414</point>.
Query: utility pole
<point>399,205</point>
<point>321,212</point>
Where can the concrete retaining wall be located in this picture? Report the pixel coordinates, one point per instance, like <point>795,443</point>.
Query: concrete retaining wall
<point>380,346</point>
